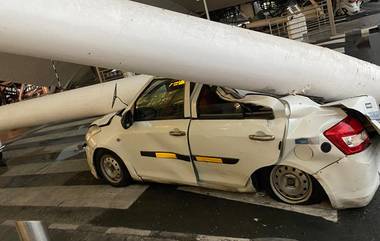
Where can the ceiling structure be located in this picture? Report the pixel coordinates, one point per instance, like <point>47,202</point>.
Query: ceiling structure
<point>168,4</point>
<point>41,72</point>
<point>194,7</point>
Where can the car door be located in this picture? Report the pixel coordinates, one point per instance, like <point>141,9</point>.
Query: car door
<point>156,143</point>
<point>230,140</point>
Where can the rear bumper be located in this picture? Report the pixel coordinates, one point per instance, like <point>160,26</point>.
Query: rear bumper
<point>352,181</point>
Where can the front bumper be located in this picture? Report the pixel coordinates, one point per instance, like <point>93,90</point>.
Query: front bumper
<point>90,149</point>
<point>352,181</point>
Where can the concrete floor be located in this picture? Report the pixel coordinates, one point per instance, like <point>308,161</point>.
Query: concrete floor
<point>47,179</point>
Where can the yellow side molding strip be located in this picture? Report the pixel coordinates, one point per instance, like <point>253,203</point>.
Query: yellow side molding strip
<point>209,159</point>
<point>166,155</point>
<point>176,156</point>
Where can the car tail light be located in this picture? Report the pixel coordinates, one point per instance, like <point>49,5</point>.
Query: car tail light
<point>349,136</point>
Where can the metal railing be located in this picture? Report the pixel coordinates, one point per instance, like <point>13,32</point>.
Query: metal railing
<point>310,23</point>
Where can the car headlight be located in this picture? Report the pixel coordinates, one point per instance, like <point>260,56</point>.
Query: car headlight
<point>92,131</point>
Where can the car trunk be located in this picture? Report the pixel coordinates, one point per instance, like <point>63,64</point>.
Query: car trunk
<point>364,108</point>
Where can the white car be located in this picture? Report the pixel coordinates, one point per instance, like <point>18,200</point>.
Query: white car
<point>348,7</point>
<point>294,148</point>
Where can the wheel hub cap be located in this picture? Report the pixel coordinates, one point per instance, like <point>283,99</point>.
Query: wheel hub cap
<point>291,184</point>
<point>111,169</point>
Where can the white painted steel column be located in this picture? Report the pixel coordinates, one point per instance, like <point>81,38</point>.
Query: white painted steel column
<point>95,100</point>
<point>127,35</point>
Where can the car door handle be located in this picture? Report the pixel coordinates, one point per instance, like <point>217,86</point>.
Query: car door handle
<point>177,132</point>
<point>262,137</point>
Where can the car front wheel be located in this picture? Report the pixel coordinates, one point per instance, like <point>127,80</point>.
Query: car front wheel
<point>113,170</point>
<point>293,186</point>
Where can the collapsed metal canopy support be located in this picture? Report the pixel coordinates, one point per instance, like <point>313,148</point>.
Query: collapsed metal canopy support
<point>91,101</point>
<point>127,35</point>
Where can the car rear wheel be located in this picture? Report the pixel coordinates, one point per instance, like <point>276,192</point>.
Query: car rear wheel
<point>293,186</point>
<point>113,170</point>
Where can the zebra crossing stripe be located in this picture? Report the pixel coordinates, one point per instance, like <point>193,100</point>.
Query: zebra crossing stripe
<point>49,128</point>
<point>96,196</point>
<point>54,136</point>
<point>164,235</point>
<point>77,165</point>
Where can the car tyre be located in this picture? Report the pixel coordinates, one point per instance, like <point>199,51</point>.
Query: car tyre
<point>113,170</point>
<point>293,186</point>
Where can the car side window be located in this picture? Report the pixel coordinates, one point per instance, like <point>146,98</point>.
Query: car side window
<point>162,100</point>
<point>211,106</point>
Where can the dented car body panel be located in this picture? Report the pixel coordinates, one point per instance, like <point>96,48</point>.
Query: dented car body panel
<point>365,105</point>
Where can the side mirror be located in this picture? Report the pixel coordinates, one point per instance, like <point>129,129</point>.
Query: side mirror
<point>127,119</point>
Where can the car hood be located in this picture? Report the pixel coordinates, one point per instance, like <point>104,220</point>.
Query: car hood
<point>105,120</point>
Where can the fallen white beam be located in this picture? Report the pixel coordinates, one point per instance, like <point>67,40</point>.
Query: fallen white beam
<point>84,102</point>
<point>128,35</point>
